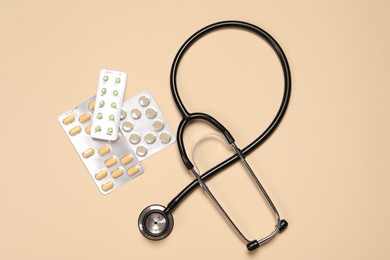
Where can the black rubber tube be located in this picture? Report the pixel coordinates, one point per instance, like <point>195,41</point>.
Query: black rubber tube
<point>266,133</point>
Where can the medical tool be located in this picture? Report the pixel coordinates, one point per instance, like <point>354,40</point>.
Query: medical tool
<point>156,222</point>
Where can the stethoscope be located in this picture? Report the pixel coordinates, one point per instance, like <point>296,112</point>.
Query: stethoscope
<point>156,222</point>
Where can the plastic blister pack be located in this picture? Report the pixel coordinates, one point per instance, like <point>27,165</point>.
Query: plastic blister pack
<point>110,163</point>
<point>145,127</point>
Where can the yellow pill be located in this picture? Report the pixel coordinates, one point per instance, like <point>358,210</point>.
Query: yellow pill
<point>101,175</point>
<point>126,159</point>
<point>108,186</point>
<point>133,170</point>
<point>85,118</point>
<point>111,161</point>
<point>104,150</point>
<point>88,153</point>
<point>69,119</point>
<point>75,130</point>
<point>117,172</point>
<point>91,105</point>
<point>88,130</point>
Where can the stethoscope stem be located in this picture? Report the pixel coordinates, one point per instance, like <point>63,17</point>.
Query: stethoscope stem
<point>219,207</point>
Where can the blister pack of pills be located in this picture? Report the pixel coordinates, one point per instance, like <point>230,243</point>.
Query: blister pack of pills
<point>109,99</point>
<point>145,127</point>
<point>110,163</point>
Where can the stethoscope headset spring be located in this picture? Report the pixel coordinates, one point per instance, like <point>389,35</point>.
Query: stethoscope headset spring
<point>156,222</point>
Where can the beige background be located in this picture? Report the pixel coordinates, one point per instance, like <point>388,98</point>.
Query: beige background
<point>326,167</point>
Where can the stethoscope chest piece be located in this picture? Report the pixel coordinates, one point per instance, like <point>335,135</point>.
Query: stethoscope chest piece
<point>154,223</point>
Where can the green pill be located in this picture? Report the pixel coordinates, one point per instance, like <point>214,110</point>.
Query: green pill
<point>113,105</point>
<point>98,128</point>
<point>101,103</point>
<point>105,78</point>
<point>115,92</point>
<point>104,91</point>
<point>118,80</point>
<point>99,116</point>
<point>109,130</point>
<point>112,117</point>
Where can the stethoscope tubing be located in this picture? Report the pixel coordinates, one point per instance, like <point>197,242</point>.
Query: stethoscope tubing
<point>187,117</point>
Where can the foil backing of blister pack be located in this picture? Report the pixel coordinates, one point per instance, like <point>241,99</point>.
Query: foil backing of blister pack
<point>110,163</point>
<point>145,127</point>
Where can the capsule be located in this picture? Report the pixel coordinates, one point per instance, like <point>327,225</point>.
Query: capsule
<point>126,159</point>
<point>135,138</point>
<point>133,170</point>
<point>165,138</point>
<point>113,141</point>
<point>88,153</point>
<point>75,130</point>
<point>141,151</point>
<point>110,161</point>
<point>104,150</point>
<point>91,106</point>
<point>136,113</point>
<point>151,113</point>
<point>144,101</point>
<point>68,120</point>
<point>117,172</point>
<point>88,130</point>
<point>101,175</point>
<point>85,118</point>
<point>108,186</point>
<point>158,125</point>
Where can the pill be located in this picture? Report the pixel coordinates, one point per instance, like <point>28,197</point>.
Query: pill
<point>75,130</point>
<point>108,186</point>
<point>123,114</point>
<point>88,153</point>
<point>165,138</point>
<point>117,172</point>
<point>115,93</point>
<point>113,105</point>
<point>126,159</point>
<point>133,170</point>
<point>136,113</point>
<point>68,120</point>
<point>141,150</point>
<point>109,130</point>
<point>99,116</point>
<point>104,91</point>
<point>111,117</point>
<point>91,105</point>
<point>98,128</point>
<point>105,78</point>
<point>118,80</point>
<point>151,113</point>
<point>117,138</point>
<point>101,175</point>
<point>150,138</point>
<point>88,130</point>
<point>127,126</point>
<point>104,150</point>
<point>101,104</point>
<point>110,161</point>
<point>158,125</point>
<point>85,118</point>
<point>135,138</point>
<point>144,101</point>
